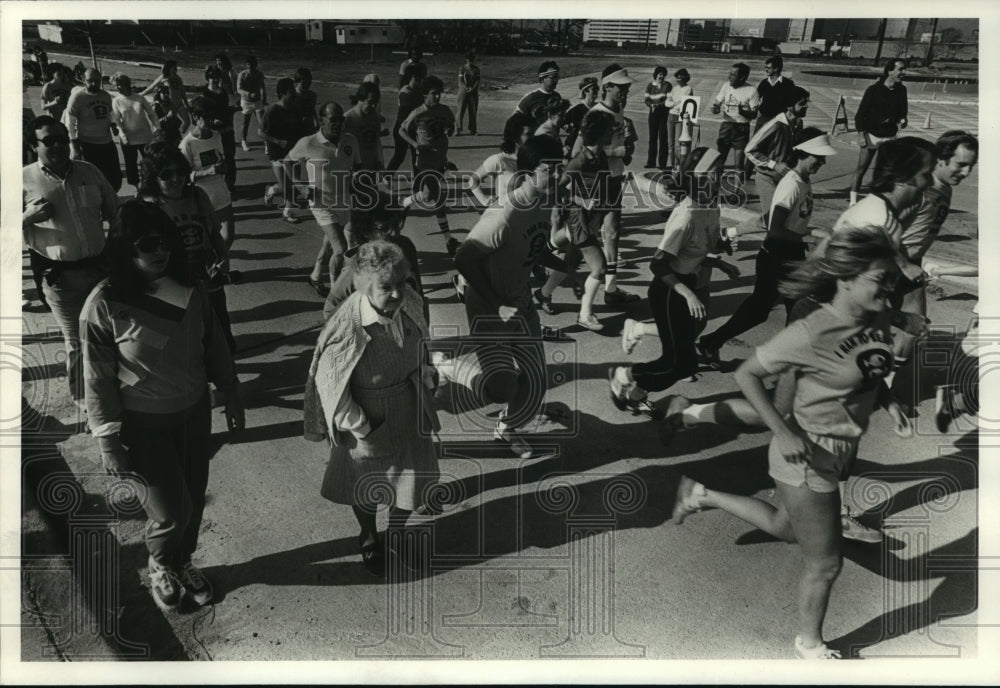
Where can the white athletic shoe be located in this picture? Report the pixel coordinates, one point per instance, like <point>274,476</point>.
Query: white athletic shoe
<point>855,530</point>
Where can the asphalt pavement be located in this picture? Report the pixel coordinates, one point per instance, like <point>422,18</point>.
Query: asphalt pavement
<point>571,554</point>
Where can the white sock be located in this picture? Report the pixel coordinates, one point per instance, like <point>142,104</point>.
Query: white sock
<point>854,197</point>
<point>698,413</point>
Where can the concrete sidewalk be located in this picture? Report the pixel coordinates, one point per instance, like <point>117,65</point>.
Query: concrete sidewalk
<point>569,554</point>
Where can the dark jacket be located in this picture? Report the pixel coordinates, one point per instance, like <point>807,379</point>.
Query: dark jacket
<point>880,110</point>
<point>771,97</point>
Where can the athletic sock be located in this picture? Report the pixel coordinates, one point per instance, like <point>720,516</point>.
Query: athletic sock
<point>610,278</point>
<point>854,197</point>
<point>698,413</point>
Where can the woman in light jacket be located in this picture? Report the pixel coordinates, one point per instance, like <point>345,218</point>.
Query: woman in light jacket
<point>370,392</point>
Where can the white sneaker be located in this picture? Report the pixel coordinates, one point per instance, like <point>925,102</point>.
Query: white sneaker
<point>855,530</point>
<point>517,444</point>
<point>629,338</point>
<point>444,365</point>
<point>246,146</point>
<point>165,586</point>
<point>821,651</point>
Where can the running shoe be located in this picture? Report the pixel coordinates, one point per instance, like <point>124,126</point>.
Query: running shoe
<point>288,217</point>
<point>456,282</point>
<point>944,408</point>
<point>707,356</point>
<point>619,296</point>
<point>853,529</point>
<point>643,407</point>
<point>821,651</point>
<point>246,146</point>
<point>688,499</point>
<point>590,323</point>
<point>518,446</point>
<point>618,391</point>
<point>373,556</point>
<point>673,421</point>
<point>165,586</point>
<point>544,302</point>
<point>196,586</point>
<point>629,337</point>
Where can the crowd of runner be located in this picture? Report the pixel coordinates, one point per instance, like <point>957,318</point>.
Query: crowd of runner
<point>138,284</point>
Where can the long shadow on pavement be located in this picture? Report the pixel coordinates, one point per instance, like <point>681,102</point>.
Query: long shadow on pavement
<point>117,607</point>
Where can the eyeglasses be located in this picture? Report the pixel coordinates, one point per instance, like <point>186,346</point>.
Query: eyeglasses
<point>151,243</point>
<point>168,174</point>
<point>50,141</point>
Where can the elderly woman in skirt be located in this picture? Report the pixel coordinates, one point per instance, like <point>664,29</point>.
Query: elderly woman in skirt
<point>370,392</point>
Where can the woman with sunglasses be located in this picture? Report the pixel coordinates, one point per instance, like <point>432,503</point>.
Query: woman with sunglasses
<point>840,354</point>
<point>165,181</point>
<point>151,345</point>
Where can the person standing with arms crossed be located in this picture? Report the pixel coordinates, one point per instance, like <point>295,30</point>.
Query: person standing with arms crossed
<point>468,94</point>
<point>880,116</point>
<point>656,99</point>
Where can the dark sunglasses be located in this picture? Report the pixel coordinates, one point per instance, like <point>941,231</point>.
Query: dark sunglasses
<point>168,174</point>
<point>151,243</point>
<point>50,141</point>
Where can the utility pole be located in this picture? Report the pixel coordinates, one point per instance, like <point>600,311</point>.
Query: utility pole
<point>843,36</point>
<point>930,48</point>
<point>649,27</point>
<point>881,39</point>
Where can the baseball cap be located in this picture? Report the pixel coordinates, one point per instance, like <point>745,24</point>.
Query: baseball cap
<point>620,77</point>
<point>818,145</point>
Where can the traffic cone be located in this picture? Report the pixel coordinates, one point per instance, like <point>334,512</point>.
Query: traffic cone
<point>684,140</point>
<point>927,121</point>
